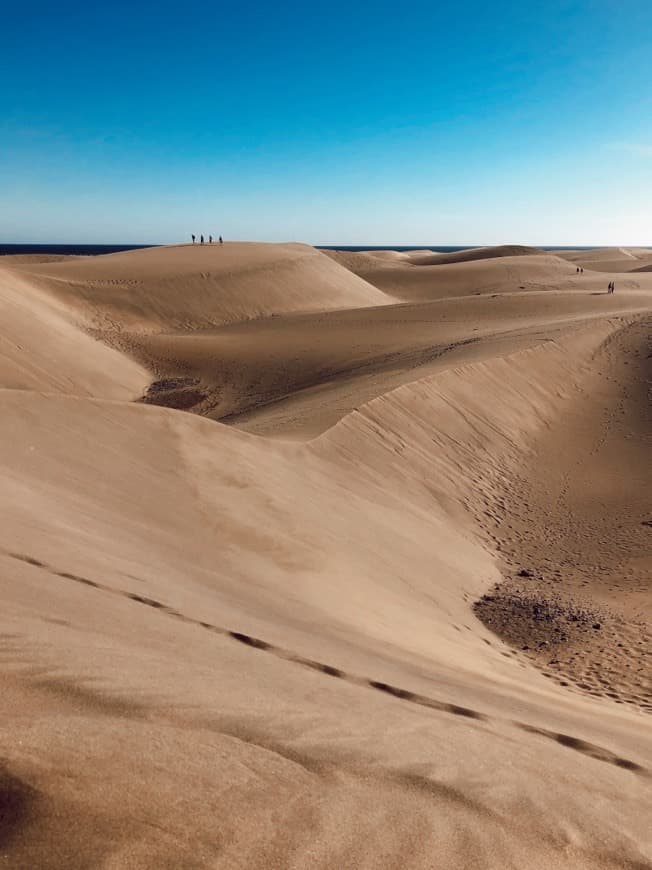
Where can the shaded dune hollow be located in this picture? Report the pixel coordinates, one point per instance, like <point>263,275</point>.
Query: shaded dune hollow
<point>326,559</point>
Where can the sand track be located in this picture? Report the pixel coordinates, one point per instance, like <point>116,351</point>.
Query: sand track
<point>226,650</point>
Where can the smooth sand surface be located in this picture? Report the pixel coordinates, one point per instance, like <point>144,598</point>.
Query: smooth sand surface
<point>188,286</point>
<point>423,278</point>
<point>610,259</point>
<point>395,614</point>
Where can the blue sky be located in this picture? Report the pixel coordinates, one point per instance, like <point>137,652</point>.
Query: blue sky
<point>328,123</point>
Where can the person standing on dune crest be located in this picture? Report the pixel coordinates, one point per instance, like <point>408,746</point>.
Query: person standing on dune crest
<point>221,240</point>
<point>193,238</point>
<point>201,240</point>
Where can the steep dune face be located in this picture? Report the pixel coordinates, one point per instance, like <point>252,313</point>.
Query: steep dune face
<point>195,286</point>
<point>42,349</point>
<point>226,650</point>
<point>587,496</point>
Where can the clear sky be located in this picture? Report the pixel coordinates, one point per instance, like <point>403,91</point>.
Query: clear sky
<point>377,122</point>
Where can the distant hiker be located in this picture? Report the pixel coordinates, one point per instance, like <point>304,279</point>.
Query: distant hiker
<point>201,239</point>
<point>613,286</point>
<point>193,238</point>
<point>221,240</point>
<point>578,270</point>
<point>210,240</point>
<point>582,270</point>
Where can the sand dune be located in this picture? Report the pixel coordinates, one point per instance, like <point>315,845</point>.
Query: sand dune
<point>34,259</point>
<point>604,464</point>
<point>413,282</point>
<point>217,284</point>
<point>609,259</point>
<point>227,650</point>
<point>42,349</point>
<point>423,258</point>
<point>296,376</point>
<point>426,257</point>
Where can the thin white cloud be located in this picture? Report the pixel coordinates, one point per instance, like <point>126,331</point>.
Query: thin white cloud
<point>638,149</point>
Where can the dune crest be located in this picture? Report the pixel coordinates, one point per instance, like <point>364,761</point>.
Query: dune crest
<point>487,253</point>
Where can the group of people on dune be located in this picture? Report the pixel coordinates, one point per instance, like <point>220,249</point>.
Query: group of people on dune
<point>210,239</point>
<point>612,284</point>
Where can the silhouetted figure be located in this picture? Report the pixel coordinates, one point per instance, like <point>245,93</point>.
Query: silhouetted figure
<point>221,240</point>
<point>578,270</point>
<point>201,240</point>
<point>613,286</point>
<point>582,270</point>
<point>210,240</point>
<point>193,238</point>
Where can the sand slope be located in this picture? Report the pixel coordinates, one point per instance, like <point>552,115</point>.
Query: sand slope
<point>423,258</point>
<point>41,348</point>
<point>596,473</point>
<point>296,376</point>
<point>415,279</point>
<point>191,286</point>
<point>225,650</point>
<point>609,259</point>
